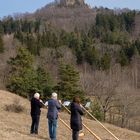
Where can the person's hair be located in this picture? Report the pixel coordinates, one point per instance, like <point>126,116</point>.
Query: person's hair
<point>54,95</point>
<point>36,95</point>
<point>76,99</point>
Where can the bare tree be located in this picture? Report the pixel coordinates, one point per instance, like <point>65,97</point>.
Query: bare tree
<point>135,68</point>
<point>101,85</point>
<point>127,101</point>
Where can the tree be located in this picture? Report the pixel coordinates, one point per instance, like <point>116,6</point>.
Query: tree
<point>91,55</point>
<point>103,89</point>
<point>123,59</point>
<point>22,77</point>
<point>135,67</point>
<point>127,103</point>
<point>44,82</point>
<point>1,44</point>
<point>31,44</point>
<point>69,83</point>
<point>1,27</point>
<point>105,61</point>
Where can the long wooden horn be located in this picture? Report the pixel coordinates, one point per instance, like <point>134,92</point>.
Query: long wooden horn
<point>80,134</point>
<point>64,123</point>
<point>100,124</point>
<point>84,125</point>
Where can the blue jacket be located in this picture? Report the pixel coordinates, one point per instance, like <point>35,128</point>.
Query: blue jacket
<point>53,109</point>
<point>76,112</point>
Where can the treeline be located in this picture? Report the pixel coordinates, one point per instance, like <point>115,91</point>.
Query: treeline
<point>24,79</point>
<point>91,46</point>
<point>104,22</point>
<point>10,25</point>
<point>109,29</point>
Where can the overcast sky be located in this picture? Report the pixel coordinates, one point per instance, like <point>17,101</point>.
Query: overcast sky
<point>9,7</point>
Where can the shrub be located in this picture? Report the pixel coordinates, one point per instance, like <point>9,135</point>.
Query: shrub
<point>15,107</point>
<point>96,110</point>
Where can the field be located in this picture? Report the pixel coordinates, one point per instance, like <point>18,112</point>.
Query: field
<point>16,126</point>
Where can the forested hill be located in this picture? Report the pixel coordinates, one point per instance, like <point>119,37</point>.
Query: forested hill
<point>76,50</point>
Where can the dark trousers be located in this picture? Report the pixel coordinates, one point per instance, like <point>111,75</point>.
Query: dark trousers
<point>35,124</point>
<point>75,135</point>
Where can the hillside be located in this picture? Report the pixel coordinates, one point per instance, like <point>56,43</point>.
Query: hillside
<point>16,126</point>
<point>137,26</point>
<point>67,18</point>
<point>75,50</point>
<point>64,17</point>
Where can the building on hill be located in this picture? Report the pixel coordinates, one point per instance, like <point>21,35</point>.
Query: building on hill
<point>71,2</point>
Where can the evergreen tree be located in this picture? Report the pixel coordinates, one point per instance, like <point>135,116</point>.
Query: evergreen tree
<point>44,82</point>
<point>96,110</point>
<point>123,59</point>
<point>22,78</point>
<point>137,44</point>
<point>74,41</point>
<point>105,61</point>
<point>64,38</point>
<point>91,55</point>
<point>1,28</point>
<point>1,44</point>
<point>69,83</point>
<point>32,44</point>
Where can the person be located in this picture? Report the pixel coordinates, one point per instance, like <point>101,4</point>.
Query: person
<point>52,115</point>
<point>76,120</point>
<point>36,104</point>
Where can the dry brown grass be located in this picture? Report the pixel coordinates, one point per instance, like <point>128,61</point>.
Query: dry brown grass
<point>16,126</point>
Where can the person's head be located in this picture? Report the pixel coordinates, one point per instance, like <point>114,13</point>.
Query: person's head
<point>54,95</point>
<point>37,95</point>
<point>76,99</point>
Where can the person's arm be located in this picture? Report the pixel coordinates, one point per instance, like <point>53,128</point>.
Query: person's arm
<point>40,103</point>
<point>58,106</point>
<point>79,109</point>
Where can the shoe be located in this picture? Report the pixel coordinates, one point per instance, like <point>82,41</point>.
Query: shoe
<point>36,133</point>
<point>81,134</point>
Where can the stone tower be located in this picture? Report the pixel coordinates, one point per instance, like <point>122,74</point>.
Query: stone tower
<point>72,2</point>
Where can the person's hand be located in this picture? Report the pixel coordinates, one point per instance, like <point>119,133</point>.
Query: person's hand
<point>81,106</point>
<point>41,101</point>
<point>46,103</point>
<point>58,114</point>
<point>60,101</point>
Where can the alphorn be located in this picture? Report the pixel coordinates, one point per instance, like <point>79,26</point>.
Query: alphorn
<point>100,124</point>
<point>84,125</point>
<point>64,123</point>
<point>60,119</point>
<point>80,134</point>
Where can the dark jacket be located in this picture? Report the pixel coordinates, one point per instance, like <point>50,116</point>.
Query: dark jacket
<point>35,107</point>
<point>76,112</point>
<point>53,109</point>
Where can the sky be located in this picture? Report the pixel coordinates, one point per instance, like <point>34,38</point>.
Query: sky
<point>11,7</point>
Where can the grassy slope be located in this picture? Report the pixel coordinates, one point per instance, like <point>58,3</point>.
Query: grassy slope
<point>16,126</point>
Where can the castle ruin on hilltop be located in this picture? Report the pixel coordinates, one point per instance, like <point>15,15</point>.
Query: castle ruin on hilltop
<point>70,2</point>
